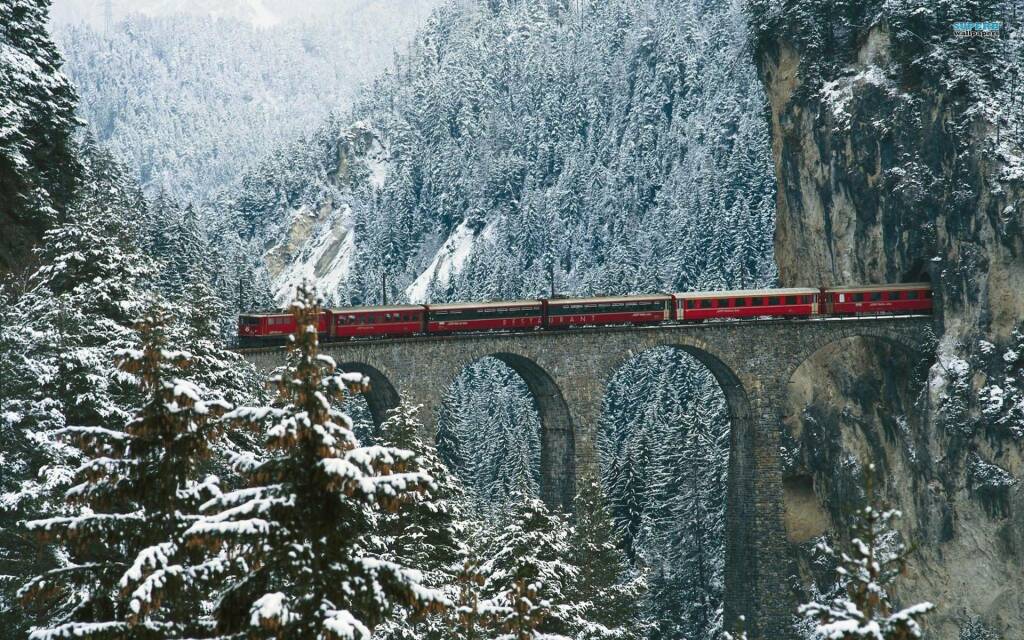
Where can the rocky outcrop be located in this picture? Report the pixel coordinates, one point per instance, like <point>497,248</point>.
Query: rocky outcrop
<point>897,153</point>
<point>316,238</point>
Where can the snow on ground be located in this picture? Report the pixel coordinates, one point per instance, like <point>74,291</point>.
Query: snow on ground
<point>447,262</point>
<point>325,256</point>
<point>838,94</point>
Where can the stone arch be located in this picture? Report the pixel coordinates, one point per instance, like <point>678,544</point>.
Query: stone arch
<point>912,339</point>
<point>558,438</point>
<point>382,396</point>
<point>741,518</point>
<point>831,406</point>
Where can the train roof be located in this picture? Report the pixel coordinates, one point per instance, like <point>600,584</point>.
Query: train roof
<point>748,292</point>
<point>883,287</point>
<point>264,314</point>
<point>637,298</point>
<point>394,307</point>
<point>449,306</point>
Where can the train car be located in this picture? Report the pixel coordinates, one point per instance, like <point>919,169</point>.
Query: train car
<point>272,328</point>
<point>751,303</point>
<point>484,316</point>
<point>359,322</point>
<point>914,297</point>
<point>571,312</point>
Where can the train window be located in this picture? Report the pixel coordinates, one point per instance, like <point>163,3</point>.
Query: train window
<point>911,295</point>
<point>773,300</point>
<point>741,302</point>
<point>877,295</point>
<point>790,299</point>
<point>858,297</point>
<point>756,302</point>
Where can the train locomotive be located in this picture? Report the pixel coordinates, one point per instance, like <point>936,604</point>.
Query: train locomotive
<point>267,329</point>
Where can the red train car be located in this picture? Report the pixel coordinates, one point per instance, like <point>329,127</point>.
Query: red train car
<point>915,297</point>
<point>358,322</point>
<point>257,329</point>
<point>751,303</point>
<point>273,328</point>
<point>484,316</point>
<point>621,310</point>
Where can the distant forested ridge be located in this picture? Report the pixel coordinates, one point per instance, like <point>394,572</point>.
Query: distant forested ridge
<point>188,102</point>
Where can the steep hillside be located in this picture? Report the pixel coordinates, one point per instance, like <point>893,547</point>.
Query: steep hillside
<point>897,151</point>
<point>614,151</point>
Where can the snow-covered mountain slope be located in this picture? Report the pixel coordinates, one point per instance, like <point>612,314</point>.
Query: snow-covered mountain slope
<point>189,102</point>
<point>260,13</point>
<point>319,244</point>
<point>315,236</point>
<point>481,190</point>
<point>448,261</point>
<point>255,12</point>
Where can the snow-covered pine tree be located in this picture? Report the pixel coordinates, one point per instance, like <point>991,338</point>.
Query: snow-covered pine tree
<point>302,526</point>
<point>57,351</point>
<point>874,559</point>
<point>470,618</point>
<point>424,531</point>
<point>38,165</point>
<point>135,491</point>
<point>606,592</point>
<point>528,574</point>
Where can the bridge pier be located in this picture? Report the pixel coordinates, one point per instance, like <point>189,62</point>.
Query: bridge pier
<point>758,563</point>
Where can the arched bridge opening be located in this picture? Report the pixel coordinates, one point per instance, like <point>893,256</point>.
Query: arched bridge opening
<point>557,452</point>
<point>699,419</point>
<point>382,395</point>
<point>506,426</point>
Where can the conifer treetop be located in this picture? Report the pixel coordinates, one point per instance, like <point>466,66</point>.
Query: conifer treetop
<point>299,533</point>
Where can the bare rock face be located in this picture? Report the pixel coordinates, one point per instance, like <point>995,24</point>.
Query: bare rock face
<point>317,240</point>
<point>897,152</point>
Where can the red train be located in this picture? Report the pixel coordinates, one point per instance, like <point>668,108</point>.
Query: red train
<point>257,329</point>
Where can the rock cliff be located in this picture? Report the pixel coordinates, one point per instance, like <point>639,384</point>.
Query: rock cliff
<point>896,143</point>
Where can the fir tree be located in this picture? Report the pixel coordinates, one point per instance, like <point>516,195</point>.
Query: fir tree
<point>38,164</point>
<point>302,526</point>
<point>528,575</point>
<point>874,559</point>
<point>424,531</point>
<point>136,491</point>
<point>605,594</point>
<point>471,618</point>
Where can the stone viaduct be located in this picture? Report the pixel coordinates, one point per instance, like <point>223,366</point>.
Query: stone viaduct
<point>567,373</point>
